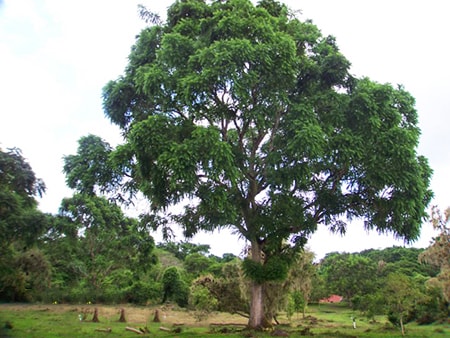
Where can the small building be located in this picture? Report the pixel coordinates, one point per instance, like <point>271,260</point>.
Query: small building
<point>332,299</point>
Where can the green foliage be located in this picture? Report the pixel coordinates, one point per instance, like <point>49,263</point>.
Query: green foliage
<point>141,292</point>
<point>370,288</point>
<point>174,287</point>
<point>253,116</point>
<point>230,289</point>
<point>273,269</point>
<point>19,218</point>
<point>400,259</point>
<point>183,249</point>
<point>401,296</point>
<point>13,283</point>
<point>99,254</point>
<point>21,225</point>
<point>106,237</point>
<point>17,176</point>
<point>201,301</point>
<point>370,304</point>
<point>349,274</point>
<point>196,263</point>
<point>296,303</point>
<point>438,254</point>
<point>89,169</point>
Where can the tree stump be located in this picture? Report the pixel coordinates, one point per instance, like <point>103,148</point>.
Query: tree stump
<point>156,318</point>
<point>95,318</point>
<point>122,316</point>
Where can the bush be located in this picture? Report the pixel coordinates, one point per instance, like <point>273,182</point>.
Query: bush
<point>141,292</point>
<point>202,302</point>
<point>174,288</point>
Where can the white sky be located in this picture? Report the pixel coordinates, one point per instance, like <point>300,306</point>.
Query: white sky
<point>55,57</point>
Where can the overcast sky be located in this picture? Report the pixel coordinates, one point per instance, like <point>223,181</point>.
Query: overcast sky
<point>56,56</point>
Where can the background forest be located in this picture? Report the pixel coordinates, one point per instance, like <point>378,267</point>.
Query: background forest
<point>91,252</point>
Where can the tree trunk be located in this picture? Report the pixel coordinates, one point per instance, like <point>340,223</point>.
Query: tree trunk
<point>95,317</point>
<point>257,318</point>
<point>401,325</point>
<point>256,307</point>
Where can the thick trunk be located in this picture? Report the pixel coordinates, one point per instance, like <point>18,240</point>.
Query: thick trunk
<point>257,318</point>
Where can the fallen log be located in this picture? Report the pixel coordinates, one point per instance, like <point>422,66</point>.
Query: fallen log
<point>166,329</point>
<point>104,330</point>
<point>132,329</point>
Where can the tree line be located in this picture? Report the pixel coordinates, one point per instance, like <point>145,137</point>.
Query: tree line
<point>90,251</point>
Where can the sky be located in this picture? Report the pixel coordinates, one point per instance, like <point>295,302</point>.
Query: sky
<point>56,56</point>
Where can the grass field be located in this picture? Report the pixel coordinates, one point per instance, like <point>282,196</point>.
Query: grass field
<point>24,320</point>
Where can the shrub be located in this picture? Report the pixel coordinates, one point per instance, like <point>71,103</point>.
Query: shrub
<point>202,302</point>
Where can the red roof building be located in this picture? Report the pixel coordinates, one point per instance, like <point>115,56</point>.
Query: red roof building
<point>332,299</point>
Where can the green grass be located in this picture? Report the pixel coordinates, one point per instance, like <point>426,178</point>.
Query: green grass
<point>321,321</point>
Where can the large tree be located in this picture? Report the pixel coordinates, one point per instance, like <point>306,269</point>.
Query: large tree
<point>252,116</point>
<point>100,242</point>
<point>21,224</point>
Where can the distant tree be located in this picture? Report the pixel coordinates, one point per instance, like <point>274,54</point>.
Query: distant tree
<point>182,249</point>
<point>91,241</point>
<point>21,225</point>
<point>37,272</point>
<point>349,274</point>
<point>253,116</point>
<point>298,282</point>
<point>196,264</point>
<point>302,274</point>
<point>400,259</point>
<point>93,170</point>
<point>401,296</point>
<point>230,289</point>
<point>370,304</point>
<point>174,287</point>
<point>438,254</point>
<point>19,188</point>
<point>434,306</point>
<point>201,300</point>
<point>319,290</point>
<point>297,286</point>
<point>228,257</point>
<point>106,239</point>
<point>296,303</point>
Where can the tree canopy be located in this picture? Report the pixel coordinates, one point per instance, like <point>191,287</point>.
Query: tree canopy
<point>19,188</point>
<point>21,224</point>
<point>252,117</point>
